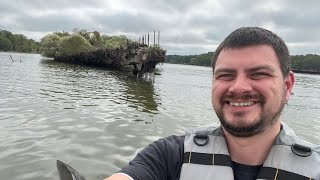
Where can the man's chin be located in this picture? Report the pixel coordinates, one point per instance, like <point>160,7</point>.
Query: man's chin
<point>242,133</point>
<point>242,129</point>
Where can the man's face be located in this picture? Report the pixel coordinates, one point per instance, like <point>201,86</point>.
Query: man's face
<point>249,90</point>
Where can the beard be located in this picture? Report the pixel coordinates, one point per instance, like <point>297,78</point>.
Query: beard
<point>260,124</point>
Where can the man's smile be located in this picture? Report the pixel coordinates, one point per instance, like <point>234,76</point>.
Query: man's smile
<point>241,104</point>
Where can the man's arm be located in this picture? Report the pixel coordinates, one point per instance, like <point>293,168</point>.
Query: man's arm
<point>118,177</point>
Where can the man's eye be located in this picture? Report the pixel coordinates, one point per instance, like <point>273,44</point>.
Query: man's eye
<point>225,76</point>
<point>259,75</point>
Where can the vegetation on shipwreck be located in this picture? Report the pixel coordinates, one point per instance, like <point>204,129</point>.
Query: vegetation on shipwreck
<point>92,48</point>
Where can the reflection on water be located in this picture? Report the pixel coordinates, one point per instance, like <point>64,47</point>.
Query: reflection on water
<point>141,95</point>
<point>75,83</point>
<point>96,120</point>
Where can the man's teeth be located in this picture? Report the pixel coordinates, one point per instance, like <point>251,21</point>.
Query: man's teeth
<point>241,103</point>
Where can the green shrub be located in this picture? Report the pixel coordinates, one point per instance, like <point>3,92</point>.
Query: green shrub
<point>74,44</point>
<point>49,46</point>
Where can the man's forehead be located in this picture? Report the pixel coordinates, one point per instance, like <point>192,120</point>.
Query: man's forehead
<point>254,53</point>
<point>248,58</point>
<point>238,48</point>
<point>246,69</point>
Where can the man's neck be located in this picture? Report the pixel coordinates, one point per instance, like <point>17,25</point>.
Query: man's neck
<point>252,150</point>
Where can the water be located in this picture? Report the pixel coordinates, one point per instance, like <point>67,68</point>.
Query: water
<point>96,120</point>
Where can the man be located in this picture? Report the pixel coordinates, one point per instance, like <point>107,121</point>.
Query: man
<point>252,82</point>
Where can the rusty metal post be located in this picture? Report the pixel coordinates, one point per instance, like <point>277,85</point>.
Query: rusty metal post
<point>159,38</point>
<point>154,37</point>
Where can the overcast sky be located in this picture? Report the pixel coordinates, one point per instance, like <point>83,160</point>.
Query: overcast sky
<point>186,26</point>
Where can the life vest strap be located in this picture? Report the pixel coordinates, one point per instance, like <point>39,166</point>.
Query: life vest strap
<point>278,174</point>
<point>207,159</point>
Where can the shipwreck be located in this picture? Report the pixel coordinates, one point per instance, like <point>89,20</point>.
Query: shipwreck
<point>113,52</point>
<point>139,58</point>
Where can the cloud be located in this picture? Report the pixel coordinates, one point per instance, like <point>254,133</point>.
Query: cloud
<point>187,26</point>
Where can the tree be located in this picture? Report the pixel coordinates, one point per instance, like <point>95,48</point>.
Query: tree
<point>19,43</point>
<point>114,42</point>
<point>194,61</point>
<point>74,44</point>
<point>13,38</point>
<point>49,46</point>
<point>84,33</point>
<point>5,44</point>
<point>6,34</point>
<point>62,34</point>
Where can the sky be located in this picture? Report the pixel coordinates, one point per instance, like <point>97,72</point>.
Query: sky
<point>186,26</point>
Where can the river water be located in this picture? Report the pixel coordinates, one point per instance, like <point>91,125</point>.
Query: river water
<point>96,120</point>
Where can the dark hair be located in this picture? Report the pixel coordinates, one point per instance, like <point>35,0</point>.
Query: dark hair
<point>250,36</point>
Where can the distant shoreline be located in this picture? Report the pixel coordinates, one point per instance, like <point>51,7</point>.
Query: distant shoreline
<point>305,71</point>
<point>294,70</point>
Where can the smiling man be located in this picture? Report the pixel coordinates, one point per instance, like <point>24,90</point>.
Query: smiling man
<point>249,90</point>
<point>252,82</point>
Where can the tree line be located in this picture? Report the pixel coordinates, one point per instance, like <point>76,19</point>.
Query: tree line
<point>199,60</point>
<point>308,62</point>
<point>17,43</point>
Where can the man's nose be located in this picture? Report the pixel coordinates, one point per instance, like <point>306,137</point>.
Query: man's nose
<point>241,84</point>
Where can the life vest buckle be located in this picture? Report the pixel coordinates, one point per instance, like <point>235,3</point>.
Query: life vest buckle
<point>301,150</point>
<point>204,139</point>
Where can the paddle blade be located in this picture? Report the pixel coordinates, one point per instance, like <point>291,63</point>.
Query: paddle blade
<point>68,173</point>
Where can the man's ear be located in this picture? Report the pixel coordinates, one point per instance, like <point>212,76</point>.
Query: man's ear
<point>289,81</point>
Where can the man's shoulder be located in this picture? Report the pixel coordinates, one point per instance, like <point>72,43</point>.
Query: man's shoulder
<point>288,137</point>
<point>174,138</point>
<point>298,146</point>
<point>172,141</point>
